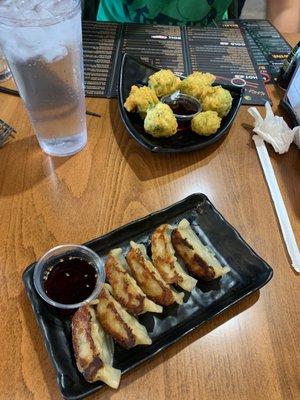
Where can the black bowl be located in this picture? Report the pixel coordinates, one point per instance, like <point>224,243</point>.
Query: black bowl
<point>136,72</point>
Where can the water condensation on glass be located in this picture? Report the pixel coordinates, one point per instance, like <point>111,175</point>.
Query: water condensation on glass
<point>29,39</point>
<point>42,42</point>
<point>35,9</point>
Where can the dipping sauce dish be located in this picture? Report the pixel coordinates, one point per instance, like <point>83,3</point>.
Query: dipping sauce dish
<point>69,276</point>
<point>184,107</point>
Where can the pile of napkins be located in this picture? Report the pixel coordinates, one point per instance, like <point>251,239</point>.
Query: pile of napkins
<point>274,130</point>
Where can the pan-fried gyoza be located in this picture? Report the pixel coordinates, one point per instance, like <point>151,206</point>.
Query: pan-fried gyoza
<point>164,259</point>
<point>149,278</point>
<point>138,284</point>
<point>197,257</point>
<point>93,348</point>
<point>116,321</point>
<point>125,289</point>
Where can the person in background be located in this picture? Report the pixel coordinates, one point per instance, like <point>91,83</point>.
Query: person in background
<point>165,12</point>
<point>284,14</point>
<point>170,12</point>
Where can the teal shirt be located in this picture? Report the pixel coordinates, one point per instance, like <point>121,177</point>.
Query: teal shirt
<point>168,12</point>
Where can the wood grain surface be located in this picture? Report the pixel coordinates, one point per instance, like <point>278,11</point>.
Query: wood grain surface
<point>249,352</point>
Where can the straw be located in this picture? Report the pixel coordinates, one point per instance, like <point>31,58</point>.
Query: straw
<point>281,211</point>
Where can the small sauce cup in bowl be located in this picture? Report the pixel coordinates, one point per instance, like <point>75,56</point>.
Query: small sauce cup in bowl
<point>69,276</point>
<point>184,107</point>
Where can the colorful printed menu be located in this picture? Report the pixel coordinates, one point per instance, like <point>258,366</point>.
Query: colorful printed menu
<point>224,51</point>
<point>268,47</point>
<point>99,54</point>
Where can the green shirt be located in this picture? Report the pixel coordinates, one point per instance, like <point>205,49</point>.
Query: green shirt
<point>168,12</point>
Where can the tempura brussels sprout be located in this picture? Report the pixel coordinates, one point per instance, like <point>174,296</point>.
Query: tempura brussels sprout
<point>206,123</point>
<point>160,121</point>
<point>217,99</point>
<point>164,82</point>
<point>195,83</point>
<point>140,99</point>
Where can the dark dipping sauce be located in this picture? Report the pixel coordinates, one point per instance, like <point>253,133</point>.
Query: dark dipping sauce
<point>182,107</point>
<point>70,281</point>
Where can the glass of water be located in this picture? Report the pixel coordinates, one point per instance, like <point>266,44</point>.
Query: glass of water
<point>4,70</point>
<point>42,42</point>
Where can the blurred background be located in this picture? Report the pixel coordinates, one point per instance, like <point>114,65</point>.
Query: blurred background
<point>253,9</point>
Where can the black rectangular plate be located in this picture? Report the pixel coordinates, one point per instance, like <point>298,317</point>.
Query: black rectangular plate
<point>248,273</point>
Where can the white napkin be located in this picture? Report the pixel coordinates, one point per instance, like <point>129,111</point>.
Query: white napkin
<point>274,129</point>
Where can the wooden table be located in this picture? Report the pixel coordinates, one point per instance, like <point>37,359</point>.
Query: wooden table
<point>249,352</point>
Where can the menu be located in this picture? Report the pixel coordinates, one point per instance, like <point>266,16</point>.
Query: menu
<point>156,45</point>
<point>99,49</point>
<point>268,47</point>
<point>224,51</point>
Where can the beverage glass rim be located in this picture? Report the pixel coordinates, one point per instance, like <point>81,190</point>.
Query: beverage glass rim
<point>67,14</point>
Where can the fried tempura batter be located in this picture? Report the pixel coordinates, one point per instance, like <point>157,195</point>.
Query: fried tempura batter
<point>164,82</point>
<point>195,83</point>
<point>160,121</point>
<point>217,99</point>
<point>206,123</point>
<point>140,99</point>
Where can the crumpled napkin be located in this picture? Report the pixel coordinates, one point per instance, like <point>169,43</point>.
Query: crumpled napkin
<point>274,129</point>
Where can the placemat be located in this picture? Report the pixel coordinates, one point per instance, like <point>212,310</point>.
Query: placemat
<point>235,51</point>
<point>268,47</point>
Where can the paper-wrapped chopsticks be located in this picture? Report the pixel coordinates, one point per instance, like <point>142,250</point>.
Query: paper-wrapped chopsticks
<point>282,214</point>
<point>274,130</point>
